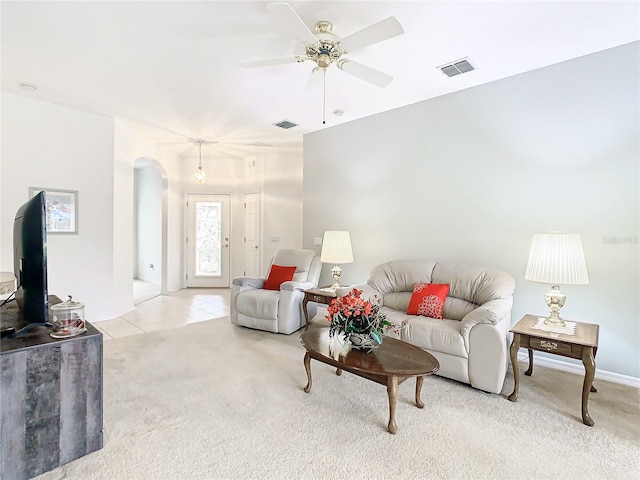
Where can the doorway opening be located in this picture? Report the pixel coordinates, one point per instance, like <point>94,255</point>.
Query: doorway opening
<point>149,230</point>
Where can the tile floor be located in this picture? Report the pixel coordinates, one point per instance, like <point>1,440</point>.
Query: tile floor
<point>185,306</point>
<point>143,291</point>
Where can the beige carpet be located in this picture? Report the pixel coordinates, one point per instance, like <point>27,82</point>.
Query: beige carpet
<point>210,400</point>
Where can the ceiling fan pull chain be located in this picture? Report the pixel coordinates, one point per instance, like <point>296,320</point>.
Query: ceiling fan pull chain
<point>324,96</point>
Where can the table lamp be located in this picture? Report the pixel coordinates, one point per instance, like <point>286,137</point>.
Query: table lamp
<point>336,249</point>
<point>556,258</point>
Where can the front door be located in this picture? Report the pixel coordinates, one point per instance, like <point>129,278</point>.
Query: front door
<point>208,241</point>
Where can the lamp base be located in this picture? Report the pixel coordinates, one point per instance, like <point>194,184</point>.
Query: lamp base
<point>336,271</point>
<point>555,300</point>
<point>554,322</point>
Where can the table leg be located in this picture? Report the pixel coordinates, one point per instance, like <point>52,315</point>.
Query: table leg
<point>307,367</point>
<point>530,369</point>
<point>590,370</point>
<point>392,391</point>
<point>306,313</point>
<point>419,381</point>
<point>515,346</point>
<point>595,352</point>
<point>338,371</point>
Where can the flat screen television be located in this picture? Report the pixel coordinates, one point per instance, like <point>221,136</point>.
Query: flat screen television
<point>30,263</point>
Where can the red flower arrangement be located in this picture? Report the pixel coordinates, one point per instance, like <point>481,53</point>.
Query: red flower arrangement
<point>353,314</point>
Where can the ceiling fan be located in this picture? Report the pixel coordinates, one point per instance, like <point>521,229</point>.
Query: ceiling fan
<point>324,48</point>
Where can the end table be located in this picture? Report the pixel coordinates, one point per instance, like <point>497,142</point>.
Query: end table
<point>583,346</point>
<point>318,295</point>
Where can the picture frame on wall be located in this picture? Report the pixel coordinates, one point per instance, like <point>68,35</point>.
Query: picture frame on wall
<point>62,209</point>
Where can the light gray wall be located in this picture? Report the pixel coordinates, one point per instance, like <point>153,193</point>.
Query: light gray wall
<point>471,176</point>
<point>282,205</point>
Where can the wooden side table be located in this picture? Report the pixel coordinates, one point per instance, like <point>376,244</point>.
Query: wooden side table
<point>583,346</point>
<point>318,295</point>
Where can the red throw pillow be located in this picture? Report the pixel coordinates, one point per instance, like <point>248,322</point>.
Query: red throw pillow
<point>428,299</point>
<point>278,275</point>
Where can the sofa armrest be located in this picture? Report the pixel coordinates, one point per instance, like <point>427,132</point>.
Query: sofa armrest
<point>480,315</point>
<point>293,286</point>
<point>248,282</point>
<point>492,312</point>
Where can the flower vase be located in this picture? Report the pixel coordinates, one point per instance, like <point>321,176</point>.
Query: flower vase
<point>363,341</point>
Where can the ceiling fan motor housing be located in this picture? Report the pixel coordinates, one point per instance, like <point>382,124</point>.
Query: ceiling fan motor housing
<point>327,50</point>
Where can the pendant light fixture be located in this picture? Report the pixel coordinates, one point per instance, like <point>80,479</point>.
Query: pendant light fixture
<point>201,176</point>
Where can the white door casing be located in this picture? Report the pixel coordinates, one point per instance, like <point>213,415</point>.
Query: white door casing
<point>252,234</point>
<point>207,242</point>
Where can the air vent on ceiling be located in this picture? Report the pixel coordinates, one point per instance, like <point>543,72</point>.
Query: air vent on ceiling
<point>285,124</point>
<point>456,68</point>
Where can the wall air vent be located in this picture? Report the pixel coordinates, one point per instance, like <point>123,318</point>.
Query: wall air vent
<point>285,124</point>
<point>456,68</point>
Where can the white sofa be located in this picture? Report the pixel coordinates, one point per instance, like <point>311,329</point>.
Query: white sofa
<point>471,341</point>
<point>278,311</point>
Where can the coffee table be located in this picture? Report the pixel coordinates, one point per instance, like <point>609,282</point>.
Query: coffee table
<point>390,364</point>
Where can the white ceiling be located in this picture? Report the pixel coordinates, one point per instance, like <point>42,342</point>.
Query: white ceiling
<point>175,65</point>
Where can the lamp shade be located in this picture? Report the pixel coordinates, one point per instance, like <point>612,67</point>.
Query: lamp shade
<point>336,247</point>
<point>557,258</point>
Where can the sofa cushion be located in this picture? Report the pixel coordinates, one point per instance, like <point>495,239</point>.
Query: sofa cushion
<point>457,309</point>
<point>429,333</point>
<point>397,300</point>
<point>278,275</point>
<point>473,283</point>
<point>401,276</point>
<point>428,299</point>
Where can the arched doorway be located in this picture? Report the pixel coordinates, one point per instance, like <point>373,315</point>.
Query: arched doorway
<point>149,230</point>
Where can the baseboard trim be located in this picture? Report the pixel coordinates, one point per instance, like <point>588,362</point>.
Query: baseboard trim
<point>579,370</point>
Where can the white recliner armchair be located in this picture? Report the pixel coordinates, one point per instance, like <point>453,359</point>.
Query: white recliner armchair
<point>278,311</point>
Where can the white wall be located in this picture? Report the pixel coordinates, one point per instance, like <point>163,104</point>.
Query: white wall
<point>276,175</point>
<point>134,252</point>
<point>52,146</point>
<point>223,175</point>
<point>470,176</point>
<point>148,202</point>
<point>49,145</point>
<point>132,142</point>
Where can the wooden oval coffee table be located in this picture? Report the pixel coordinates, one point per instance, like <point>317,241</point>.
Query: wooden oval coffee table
<point>390,364</point>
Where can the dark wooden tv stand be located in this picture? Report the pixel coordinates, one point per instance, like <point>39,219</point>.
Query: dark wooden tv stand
<point>51,399</point>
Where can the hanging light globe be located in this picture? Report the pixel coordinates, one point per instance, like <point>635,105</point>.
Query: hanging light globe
<point>201,176</point>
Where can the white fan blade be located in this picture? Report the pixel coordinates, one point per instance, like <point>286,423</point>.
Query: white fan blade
<point>271,61</point>
<point>372,34</point>
<point>365,73</point>
<point>316,83</point>
<point>289,21</point>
